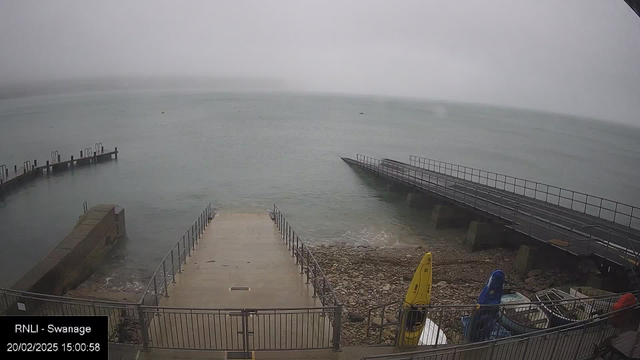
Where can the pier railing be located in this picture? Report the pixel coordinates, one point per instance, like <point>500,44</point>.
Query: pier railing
<point>313,272</point>
<point>570,341</point>
<point>460,324</point>
<point>171,263</point>
<point>268,329</point>
<point>611,210</point>
<point>309,266</point>
<point>124,319</point>
<point>239,330</point>
<point>503,206</point>
<point>32,169</point>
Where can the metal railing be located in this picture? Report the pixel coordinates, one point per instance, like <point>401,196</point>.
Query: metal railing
<point>171,263</point>
<point>240,329</point>
<point>610,210</point>
<point>309,267</point>
<point>308,263</point>
<point>461,324</point>
<point>582,224</point>
<point>188,328</point>
<point>503,206</point>
<point>124,320</point>
<point>571,341</point>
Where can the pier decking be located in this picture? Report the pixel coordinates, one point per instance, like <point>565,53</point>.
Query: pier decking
<point>581,233</point>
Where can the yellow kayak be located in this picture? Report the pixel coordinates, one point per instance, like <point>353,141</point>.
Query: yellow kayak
<point>414,306</point>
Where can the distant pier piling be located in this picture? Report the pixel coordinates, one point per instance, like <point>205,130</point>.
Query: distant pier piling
<point>30,170</point>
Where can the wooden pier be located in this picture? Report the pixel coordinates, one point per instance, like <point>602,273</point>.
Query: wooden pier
<point>10,178</point>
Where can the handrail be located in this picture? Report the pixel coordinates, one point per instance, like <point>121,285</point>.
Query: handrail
<point>91,301</point>
<point>533,303</point>
<point>591,305</point>
<point>298,248</point>
<point>65,299</point>
<point>314,271</point>
<point>601,320</point>
<point>519,183</point>
<point>189,241</point>
<point>469,196</point>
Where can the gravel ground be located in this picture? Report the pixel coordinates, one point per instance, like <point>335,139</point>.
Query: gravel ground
<point>364,277</point>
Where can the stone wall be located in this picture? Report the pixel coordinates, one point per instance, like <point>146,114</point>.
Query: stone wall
<point>78,254</point>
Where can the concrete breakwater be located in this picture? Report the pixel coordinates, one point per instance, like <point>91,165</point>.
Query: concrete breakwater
<point>78,254</point>
<point>14,176</point>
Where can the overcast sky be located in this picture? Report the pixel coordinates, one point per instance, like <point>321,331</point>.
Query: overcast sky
<point>572,56</point>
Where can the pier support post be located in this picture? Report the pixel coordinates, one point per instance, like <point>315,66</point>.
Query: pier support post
<point>420,201</point>
<point>397,187</point>
<point>116,152</point>
<point>526,259</point>
<point>444,216</point>
<point>481,235</point>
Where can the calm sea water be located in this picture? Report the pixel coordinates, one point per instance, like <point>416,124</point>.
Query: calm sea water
<point>244,152</point>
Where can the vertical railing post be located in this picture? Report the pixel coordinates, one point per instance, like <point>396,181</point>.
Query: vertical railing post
<point>173,268</point>
<point>179,257</point>
<point>155,288</point>
<point>584,330</point>
<point>315,278</point>
<point>301,260</point>
<point>555,344</point>
<point>164,278</point>
<point>143,328</point>
<point>337,327</point>
<point>324,290</point>
<point>189,242</point>
<point>308,266</point>
<point>297,248</point>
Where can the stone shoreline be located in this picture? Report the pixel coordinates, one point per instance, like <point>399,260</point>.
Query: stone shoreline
<point>364,277</point>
